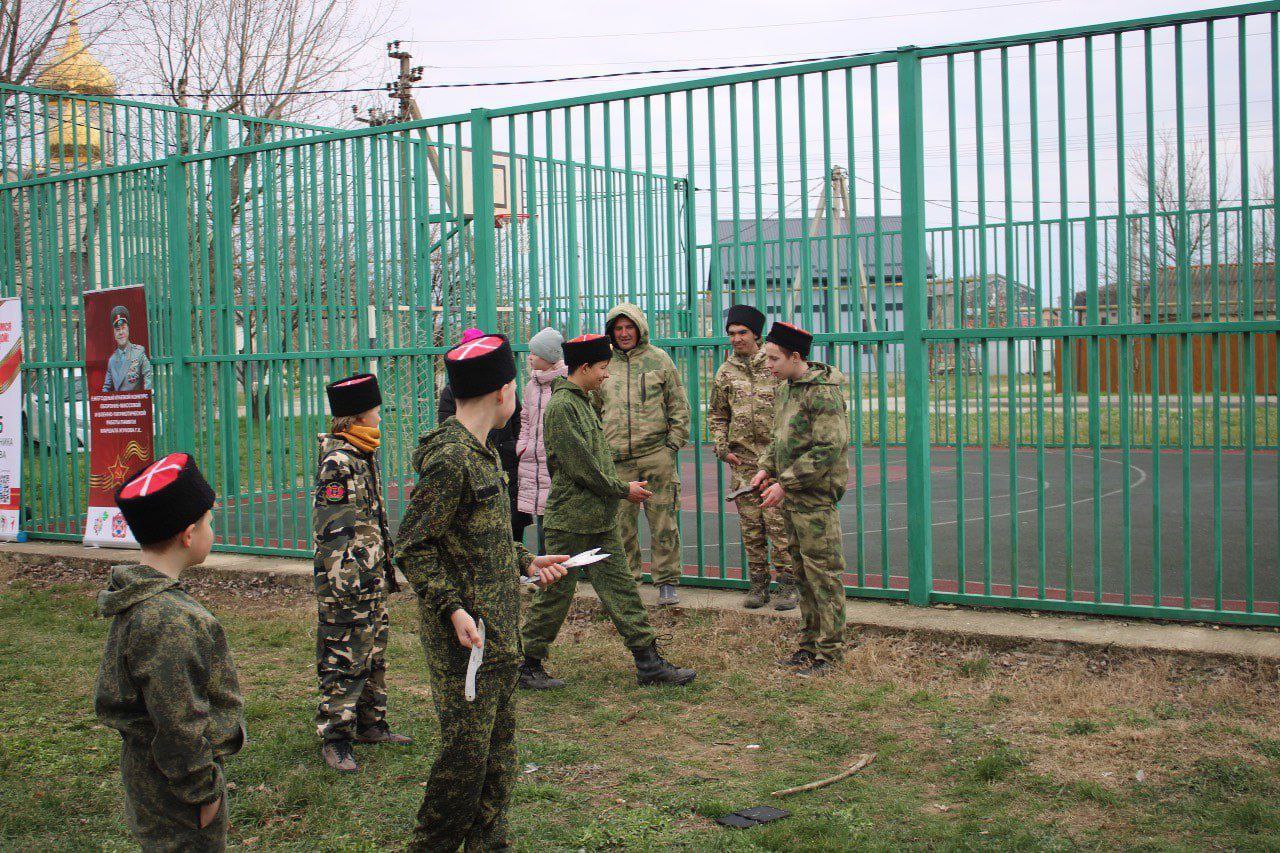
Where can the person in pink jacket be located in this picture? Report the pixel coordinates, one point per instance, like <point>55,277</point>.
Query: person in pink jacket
<point>546,363</point>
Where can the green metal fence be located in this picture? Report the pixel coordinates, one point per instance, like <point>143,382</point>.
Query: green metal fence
<point>1045,266</point>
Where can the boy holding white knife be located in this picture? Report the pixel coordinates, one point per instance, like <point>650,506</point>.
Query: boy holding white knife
<point>582,515</point>
<point>456,549</point>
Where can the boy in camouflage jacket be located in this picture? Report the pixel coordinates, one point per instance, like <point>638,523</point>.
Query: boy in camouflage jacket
<point>646,422</point>
<point>167,682</point>
<point>456,550</point>
<point>740,418</point>
<point>353,576</point>
<point>804,471</point>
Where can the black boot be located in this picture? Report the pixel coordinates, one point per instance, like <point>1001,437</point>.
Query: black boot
<point>651,668</point>
<point>534,677</point>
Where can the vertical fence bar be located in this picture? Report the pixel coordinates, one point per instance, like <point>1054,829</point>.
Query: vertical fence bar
<point>485,253</point>
<point>914,349</point>
<point>182,411</point>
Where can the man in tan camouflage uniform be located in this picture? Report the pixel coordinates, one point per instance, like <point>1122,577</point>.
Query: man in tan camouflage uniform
<point>353,575</point>
<point>646,422</point>
<point>804,470</point>
<point>741,420</point>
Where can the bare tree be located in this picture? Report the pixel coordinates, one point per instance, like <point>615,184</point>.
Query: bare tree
<point>28,36</point>
<point>258,58</point>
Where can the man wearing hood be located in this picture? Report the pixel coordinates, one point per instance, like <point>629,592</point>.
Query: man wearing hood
<point>646,422</point>
<point>804,471</point>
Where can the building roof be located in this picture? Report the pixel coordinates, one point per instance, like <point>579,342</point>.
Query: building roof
<point>1201,282</point>
<point>736,241</point>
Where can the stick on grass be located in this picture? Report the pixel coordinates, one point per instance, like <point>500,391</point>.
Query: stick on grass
<point>830,780</point>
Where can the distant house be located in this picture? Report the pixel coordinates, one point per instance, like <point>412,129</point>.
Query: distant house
<point>984,301</point>
<point>1208,295</point>
<point>864,286</point>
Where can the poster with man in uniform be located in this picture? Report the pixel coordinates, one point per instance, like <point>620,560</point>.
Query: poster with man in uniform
<point>119,379</point>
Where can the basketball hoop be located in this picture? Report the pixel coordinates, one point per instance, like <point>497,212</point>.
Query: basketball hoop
<point>501,220</point>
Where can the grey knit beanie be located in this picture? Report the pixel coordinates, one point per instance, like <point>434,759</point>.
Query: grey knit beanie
<point>547,344</point>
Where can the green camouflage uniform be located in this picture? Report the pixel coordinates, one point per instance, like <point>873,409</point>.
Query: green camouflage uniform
<point>741,422</point>
<point>581,513</point>
<point>807,456</point>
<point>352,568</point>
<point>168,685</point>
<point>455,547</point>
<point>646,422</point>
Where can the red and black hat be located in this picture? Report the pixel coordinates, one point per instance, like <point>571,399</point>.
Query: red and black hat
<point>791,338</point>
<point>480,366</point>
<point>744,315</point>
<point>354,395</point>
<point>163,498</point>
<point>586,349</point>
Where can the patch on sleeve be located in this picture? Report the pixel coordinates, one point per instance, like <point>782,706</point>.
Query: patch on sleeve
<point>335,492</point>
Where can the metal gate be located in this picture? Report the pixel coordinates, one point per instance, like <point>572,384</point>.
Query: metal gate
<point>1045,266</point>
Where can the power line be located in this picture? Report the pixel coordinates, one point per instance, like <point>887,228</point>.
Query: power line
<point>739,27</point>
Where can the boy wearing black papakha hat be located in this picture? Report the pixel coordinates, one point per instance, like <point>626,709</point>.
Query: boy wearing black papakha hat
<point>582,513</point>
<point>167,682</point>
<point>456,549</point>
<point>353,576</point>
<point>803,471</point>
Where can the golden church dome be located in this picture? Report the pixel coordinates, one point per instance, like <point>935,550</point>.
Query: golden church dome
<point>76,70</point>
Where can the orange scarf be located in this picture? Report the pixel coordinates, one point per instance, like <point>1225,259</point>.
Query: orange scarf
<point>363,438</point>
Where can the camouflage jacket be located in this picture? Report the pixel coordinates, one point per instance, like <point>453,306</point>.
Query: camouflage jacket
<point>455,547</point>
<point>167,682</point>
<point>643,403</point>
<point>585,488</point>
<point>810,437</point>
<point>349,521</point>
<point>741,412</point>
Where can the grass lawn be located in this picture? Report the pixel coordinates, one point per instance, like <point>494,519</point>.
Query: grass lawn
<point>1023,748</point>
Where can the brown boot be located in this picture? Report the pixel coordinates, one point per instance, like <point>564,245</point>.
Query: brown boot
<point>381,733</point>
<point>787,596</point>
<point>757,595</point>
<point>338,755</point>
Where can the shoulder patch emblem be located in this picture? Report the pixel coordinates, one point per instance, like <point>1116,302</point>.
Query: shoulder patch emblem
<point>335,493</point>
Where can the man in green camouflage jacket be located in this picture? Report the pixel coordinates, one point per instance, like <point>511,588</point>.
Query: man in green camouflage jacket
<point>457,551</point>
<point>167,682</point>
<point>804,470</point>
<point>581,514</point>
<point>646,421</point>
<point>353,575</point>
<point>741,421</point>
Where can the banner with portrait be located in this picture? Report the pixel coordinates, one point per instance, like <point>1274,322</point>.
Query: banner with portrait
<point>117,369</point>
<point>10,418</point>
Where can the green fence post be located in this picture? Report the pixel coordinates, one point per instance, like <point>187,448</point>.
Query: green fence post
<point>485,255</point>
<point>181,412</point>
<point>915,353</point>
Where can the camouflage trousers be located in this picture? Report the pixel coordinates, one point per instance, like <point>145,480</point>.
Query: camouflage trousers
<point>619,597</point>
<point>817,557</point>
<point>662,512</point>
<point>158,819</point>
<point>471,781</point>
<point>761,528</point>
<point>352,667</point>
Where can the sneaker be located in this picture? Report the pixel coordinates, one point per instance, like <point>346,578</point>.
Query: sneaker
<point>817,669</point>
<point>381,733</point>
<point>338,755</point>
<point>787,597</point>
<point>534,677</point>
<point>667,595</point>
<point>800,657</point>
<point>652,668</point>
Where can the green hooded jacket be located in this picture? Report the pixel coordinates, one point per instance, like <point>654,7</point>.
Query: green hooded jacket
<point>455,546</point>
<point>810,437</point>
<point>167,682</point>
<point>585,488</point>
<point>642,403</point>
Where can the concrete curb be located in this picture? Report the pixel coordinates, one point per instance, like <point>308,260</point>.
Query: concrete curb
<point>996,628</point>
